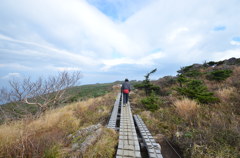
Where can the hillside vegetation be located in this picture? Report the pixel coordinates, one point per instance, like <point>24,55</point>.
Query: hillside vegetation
<point>17,110</point>
<point>56,133</point>
<point>198,110</point>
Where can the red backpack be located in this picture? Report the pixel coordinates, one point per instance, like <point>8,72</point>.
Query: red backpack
<point>126,91</point>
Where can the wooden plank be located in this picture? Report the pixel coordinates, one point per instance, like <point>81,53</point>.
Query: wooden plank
<point>113,118</point>
<point>128,145</point>
<point>153,148</point>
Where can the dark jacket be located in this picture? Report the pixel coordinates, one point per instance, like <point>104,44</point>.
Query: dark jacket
<point>126,85</point>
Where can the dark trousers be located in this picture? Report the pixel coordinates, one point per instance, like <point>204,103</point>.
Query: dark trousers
<point>125,98</point>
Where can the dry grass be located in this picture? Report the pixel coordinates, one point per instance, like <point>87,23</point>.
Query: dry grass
<point>186,108</point>
<point>96,111</point>
<point>32,138</point>
<point>105,146</point>
<point>151,121</point>
<point>225,94</point>
<point>233,80</point>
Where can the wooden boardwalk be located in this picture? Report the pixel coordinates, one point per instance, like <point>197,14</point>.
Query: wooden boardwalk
<point>113,119</point>
<point>153,148</point>
<point>128,144</point>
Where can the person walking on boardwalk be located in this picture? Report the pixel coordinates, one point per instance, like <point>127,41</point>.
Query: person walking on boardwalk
<point>125,89</point>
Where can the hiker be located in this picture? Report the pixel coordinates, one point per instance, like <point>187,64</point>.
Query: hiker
<point>125,89</point>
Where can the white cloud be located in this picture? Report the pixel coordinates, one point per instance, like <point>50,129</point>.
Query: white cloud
<point>11,75</point>
<point>182,29</point>
<point>226,54</point>
<point>146,61</point>
<point>15,66</point>
<point>236,43</point>
<point>53,52</point>
<point>68,69</point>
<point>175,33</point>
<point>56,68</point>
<point>78,25</point>
<point>74,35</point>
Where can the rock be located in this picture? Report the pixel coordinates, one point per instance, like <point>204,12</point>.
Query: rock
<point>75,146</point>
<point>90,140</point>
<point>70,136</point>
<point>84,138</point>
<point>87,130</point>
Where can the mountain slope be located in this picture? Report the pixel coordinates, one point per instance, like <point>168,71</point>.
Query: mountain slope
<point>198,110</point>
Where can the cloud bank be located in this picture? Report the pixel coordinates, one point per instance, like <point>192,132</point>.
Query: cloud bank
<point>110,40</point>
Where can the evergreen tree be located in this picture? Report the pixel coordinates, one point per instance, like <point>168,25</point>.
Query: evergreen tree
<point>195,89</point>
<point>219,75</point>
<point>147,85</point>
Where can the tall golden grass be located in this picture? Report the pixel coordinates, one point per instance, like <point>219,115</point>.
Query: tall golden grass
<point>31,138</point>
<point>105,146</point>
<point>186,108</point>
<point>225,94</point>
<point>233,80</point>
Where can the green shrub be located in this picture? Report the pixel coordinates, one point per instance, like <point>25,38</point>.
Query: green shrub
<point>219,63</point>
<point>211,63</point>
<point>193,73</point>
<point>185,69</point>
<point>181,80</point>
<point>190,71</point>
<point>219,75</point>
<point>195,89</point>
<point>151,102</point>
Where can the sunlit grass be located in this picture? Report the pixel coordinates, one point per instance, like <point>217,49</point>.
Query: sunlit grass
<point>31,138</point>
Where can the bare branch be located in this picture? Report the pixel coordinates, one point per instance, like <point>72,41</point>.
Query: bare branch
<point>43,93</point>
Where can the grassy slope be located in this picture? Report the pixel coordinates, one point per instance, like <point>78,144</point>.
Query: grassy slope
<point>89,91</point>
<point>92,90</point>
<point>48,135</point>
<point>199,130</point>
<point>77,93</point>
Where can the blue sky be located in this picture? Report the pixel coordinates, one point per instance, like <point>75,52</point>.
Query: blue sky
<point>110,40</point>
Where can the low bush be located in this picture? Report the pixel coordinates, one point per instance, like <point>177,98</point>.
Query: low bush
<point>151,102</point>
<point>193,73</point>
<point>195,89</point>
<point>185,69</point>
<point>211,63</point>
<point>219,75</point>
